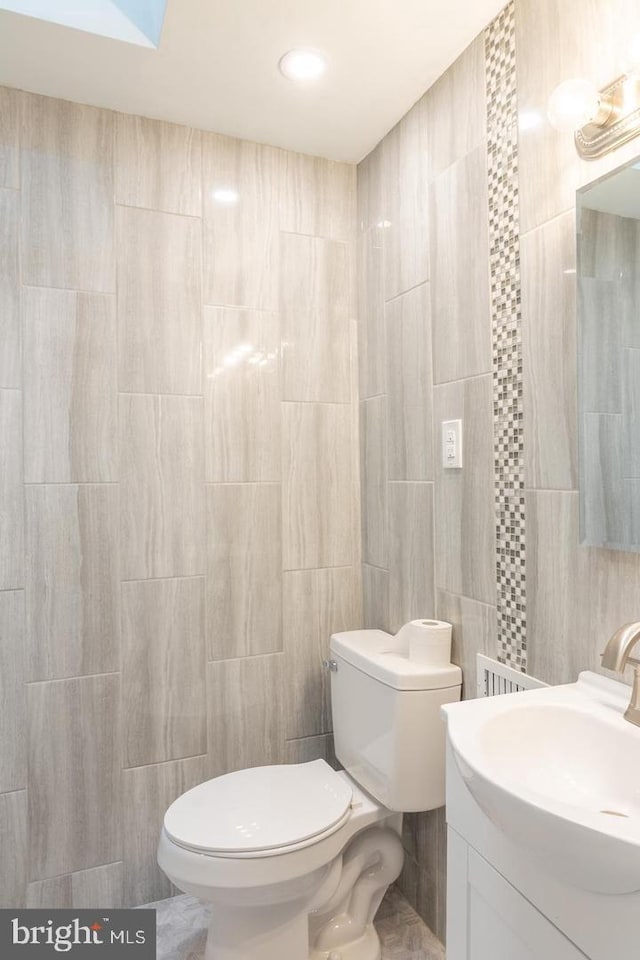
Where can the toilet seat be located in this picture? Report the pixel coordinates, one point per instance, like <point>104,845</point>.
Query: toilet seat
<point>261,812</point>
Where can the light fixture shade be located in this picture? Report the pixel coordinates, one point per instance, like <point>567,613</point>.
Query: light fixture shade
<point>303,64</point>
<point>573,104</point>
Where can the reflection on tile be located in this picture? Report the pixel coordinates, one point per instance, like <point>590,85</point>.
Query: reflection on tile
<point>13,843</point>
<point>631,413</point>
<point>409,385</point>
<point>67,195</point>
<point>318,196</point>
<point>72,580</point>
<point>163,679</point>
<point>603,520</point>
<point>99,887</point>
<point>460,270</point>
<point>373,470</point>
<point>550,352</point>
<point>11,491</point>
<point>475,631</point>
<point>375,589</point>
<point>70,387</point>
<point>13,744</point>
<point>242,395</point>
<point>10,374</point>
<point>405,221</point>
<point>241,221</point>
<point>159,302</point>
<point>9,137</point>
<point>317,603</point>
<point>457,109</point>
<point>411,559</point>
<point>74,775</point>
<point>607,244</point>
<point>147,794</point>
<point>246,720</point>
<point>244,570</point>
<point>465,509</point>
<point>158,165</point>
<point>316,305</point>
<point>161,472</point>
<point>371,332</point>
<point>317,487</point>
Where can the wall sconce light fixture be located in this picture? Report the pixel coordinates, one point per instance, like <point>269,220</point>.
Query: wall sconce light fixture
<point>602,119</point>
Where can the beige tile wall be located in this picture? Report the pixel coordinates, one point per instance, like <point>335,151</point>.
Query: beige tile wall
<point>575,595</point>
<point>178,479</point>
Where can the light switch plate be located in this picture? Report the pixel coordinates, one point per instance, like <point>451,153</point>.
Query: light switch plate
<point>452,444</point>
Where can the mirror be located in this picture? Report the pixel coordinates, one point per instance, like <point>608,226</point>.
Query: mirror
<point>608,225</point>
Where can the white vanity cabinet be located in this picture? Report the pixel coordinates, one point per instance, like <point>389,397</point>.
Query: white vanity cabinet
<point>489,920</point>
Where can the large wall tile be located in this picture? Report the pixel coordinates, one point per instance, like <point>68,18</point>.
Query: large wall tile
<point>9,137</point>
<point>318,196</point>
<point>159,302</point>
<point>72,580</point>
<point>371,332</point>
<point>465,510</point>
<point>409,385</point>
<point>375,591</point>
<point>603,517</point>
<point>373,470</point>
<point>147,793</point>
<point>11,491</point>
<point>316,305</point>
<point>98,887</point>
<point>10,374</point>
<point>316,604</point>
<point>158,165</point>
<point>411,556</point>
<point>244,570</point>
<point>70,387</point>
<point>67,195</point>
<point>577,596</point>
<point>13,843</point>
<point>242,395</point>
<point>162,498</point>
<point>370,192</point>
<point>555,40</point>
<point>240,238</point>
<point>460,270</point>
<point>163,670</point>
<point>246,719</point>
<point>317,485</point>
<point>405,221</point>
<point>550,352</point>
<point>13,742</point>
<point>307,749</point>
<point>457,111</point>
<point>475,630</point>
<point>74,775</point>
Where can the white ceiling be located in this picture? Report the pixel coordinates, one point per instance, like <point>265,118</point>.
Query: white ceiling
<point>216,67</point>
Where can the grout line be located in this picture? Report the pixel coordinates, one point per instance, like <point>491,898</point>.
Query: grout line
<point>82,676</point>
<point>403,293</point>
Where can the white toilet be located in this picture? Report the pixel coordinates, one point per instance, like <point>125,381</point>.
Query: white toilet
<point>295,859</point>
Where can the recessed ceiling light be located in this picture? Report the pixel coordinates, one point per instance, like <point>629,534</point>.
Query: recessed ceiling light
<point>226,196</point>
<point>303,65</point>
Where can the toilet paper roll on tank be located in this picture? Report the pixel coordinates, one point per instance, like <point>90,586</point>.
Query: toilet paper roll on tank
<point>426,641</point>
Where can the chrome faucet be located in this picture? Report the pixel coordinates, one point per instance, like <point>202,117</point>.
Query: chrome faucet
<point>616,657</point>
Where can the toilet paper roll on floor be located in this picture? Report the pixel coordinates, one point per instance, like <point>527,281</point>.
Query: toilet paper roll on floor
<point>427,641</point>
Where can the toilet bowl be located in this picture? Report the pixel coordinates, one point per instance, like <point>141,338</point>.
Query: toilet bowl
<point>293,860</point>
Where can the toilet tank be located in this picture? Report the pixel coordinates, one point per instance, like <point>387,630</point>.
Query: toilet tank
<point>388,732</point>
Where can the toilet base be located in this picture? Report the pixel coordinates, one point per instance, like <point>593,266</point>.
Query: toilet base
<point>366,948</point>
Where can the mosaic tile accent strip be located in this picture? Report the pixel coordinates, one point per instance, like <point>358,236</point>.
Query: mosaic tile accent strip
<point>506,315</point>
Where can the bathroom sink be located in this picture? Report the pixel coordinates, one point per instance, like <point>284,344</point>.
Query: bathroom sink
<point>558,771</point>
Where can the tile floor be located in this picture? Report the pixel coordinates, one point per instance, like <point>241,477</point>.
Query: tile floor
<point>182,928</point>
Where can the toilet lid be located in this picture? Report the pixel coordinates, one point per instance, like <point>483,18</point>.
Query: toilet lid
<point>260,809</point>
